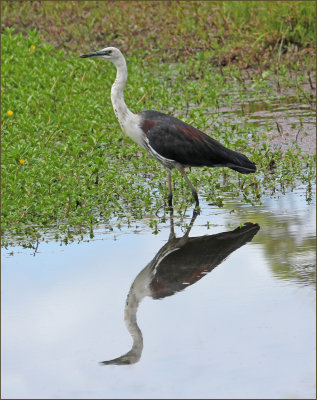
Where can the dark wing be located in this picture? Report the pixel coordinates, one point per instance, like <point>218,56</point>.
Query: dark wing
<point>199,256</point>
<point>178,141</point>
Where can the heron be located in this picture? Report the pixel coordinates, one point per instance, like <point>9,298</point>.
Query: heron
<point>172,142</point>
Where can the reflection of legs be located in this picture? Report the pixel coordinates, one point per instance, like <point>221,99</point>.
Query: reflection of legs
<point>170,193</point>
<point>195,213</point>
<point>172,233</point>
<point>194,193</point>
<point>184,239</point>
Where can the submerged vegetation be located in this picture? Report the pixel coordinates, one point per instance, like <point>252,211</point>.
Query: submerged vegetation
<point>65,161</point>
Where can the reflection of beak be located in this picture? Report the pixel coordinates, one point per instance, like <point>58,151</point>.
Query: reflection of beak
<point>131,357</point>
<point>95,54</point>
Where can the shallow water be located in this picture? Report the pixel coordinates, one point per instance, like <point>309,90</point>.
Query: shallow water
<point>225,312</point>
<point>285,119</point>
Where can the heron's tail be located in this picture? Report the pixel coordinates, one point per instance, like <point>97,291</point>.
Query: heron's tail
<point>241,163</point>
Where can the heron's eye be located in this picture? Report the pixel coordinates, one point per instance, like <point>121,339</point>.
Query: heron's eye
<point>109,52</point>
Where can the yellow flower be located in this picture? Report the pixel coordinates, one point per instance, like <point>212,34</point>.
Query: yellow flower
<point>10,112</point>
<point>21,161</point>
<point>32,47</point>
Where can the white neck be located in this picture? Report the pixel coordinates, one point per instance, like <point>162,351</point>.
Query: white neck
<point>140,288</point>
<point>131,322</point>
<point>120,108</point>
<point>130,123</point>
<point>132,356</point>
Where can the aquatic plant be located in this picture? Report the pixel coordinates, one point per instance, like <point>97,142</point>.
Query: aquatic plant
<point>65,162</point>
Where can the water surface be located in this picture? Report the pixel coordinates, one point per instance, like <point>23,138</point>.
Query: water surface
<point>223,307</point>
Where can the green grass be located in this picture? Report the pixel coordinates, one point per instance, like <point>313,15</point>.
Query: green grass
<point>66,163</point>
<point>248,33</point>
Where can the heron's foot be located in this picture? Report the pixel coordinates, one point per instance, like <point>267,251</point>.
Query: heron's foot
<point>170,200</point>
<point>195,196</point>
<point>170,210</point>
<point>197,209</point>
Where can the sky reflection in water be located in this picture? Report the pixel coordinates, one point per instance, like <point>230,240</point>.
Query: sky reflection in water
<point>246,330</point>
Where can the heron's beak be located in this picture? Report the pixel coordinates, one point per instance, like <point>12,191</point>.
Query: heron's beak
<point>96,54</point>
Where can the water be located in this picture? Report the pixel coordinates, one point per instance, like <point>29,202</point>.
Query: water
<point>229,314</point>
<point>285,119</point>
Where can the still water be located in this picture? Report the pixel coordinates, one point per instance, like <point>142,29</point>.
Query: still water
<point>216,305</point>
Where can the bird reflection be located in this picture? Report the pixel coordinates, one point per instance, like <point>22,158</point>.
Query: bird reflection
<point>178,264</point>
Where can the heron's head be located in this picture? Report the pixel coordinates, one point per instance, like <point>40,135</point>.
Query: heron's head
<point>108,53</point>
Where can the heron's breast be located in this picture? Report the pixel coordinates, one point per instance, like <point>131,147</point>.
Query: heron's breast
<point>131,128</point>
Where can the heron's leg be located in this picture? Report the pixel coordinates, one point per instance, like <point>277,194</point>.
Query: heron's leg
<point>170,193</point>
<point>172,232</point>
<point>194,193</point>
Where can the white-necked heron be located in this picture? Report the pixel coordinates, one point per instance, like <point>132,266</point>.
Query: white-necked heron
<point>172,142</point>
